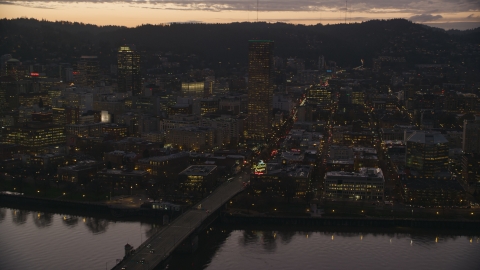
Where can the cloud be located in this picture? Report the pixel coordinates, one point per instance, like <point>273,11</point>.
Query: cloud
<point>368,6</point>
<point>425,18</point>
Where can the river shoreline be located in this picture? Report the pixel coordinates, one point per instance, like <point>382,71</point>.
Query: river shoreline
<point>149,215</point>
<point>74,208</point>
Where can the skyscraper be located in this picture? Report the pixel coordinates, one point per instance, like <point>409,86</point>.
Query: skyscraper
<point>88,70</point>
<point>471,138</point>
<point>427,153</point>
<point>128,70</point>
<point>260,88</point>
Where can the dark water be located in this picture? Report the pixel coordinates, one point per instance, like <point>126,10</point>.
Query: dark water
<point>289,249</point>
<point>37,240</point>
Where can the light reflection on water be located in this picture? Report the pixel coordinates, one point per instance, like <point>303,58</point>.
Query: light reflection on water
<point>289,249</point>
<point>38,240</point>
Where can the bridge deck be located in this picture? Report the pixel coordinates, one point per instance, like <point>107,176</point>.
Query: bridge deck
<point>165,241</point>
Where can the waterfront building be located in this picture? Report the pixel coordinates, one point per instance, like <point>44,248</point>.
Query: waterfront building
<point>198,178</point>
<point>81,173</point>
<point>427,153</point>
<point>122,179</point>
<point>366,184</point>
<point>281,180</point>
<point>260,89</point>
<point>433,192</point>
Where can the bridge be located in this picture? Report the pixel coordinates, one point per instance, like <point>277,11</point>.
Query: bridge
<point>157,248</point>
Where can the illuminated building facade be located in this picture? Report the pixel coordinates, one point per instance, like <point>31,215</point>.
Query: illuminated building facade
<point>260,88</point>
<point>367,184</point>
<point>35,135</point>
<point>128,70</point>
<point>209,105</point>
<point>164,166</point>
<point>31,99</point>
<point>198,178</point>
<point>85,130</point>
<point>193,89</point>
<point>115,130</point>
<point>65,115</point>
<point>427,153</point>
<point>320,94</point>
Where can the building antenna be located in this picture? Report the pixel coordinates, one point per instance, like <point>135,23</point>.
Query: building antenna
<point>346,9</point>
<point>257,10</point>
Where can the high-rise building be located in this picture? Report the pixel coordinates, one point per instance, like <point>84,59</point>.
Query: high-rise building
<point>471,138</point>
<point>88,71</point>
<point>320,94</point>
<point>321,63</point>
<point>260,88</point>
<point>128,71</point>
<point>427,153</point>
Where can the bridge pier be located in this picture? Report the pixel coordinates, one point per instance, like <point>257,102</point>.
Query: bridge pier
<point>189,246</point>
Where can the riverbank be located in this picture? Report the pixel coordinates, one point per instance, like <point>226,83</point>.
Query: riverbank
<point>76,208</point>
<point>111,212</point>
<point>338,222</point>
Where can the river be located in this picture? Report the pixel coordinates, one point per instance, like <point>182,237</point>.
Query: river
<point>289,249</point>
<point>37,240</point>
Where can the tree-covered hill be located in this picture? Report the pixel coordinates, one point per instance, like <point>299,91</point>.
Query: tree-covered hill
<point>29,39</point>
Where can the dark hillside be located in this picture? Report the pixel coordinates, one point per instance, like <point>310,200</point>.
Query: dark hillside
<point>346,44</point>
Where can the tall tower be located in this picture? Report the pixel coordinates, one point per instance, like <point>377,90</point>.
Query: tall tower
<point>471,140</point>
<point>260,88</point>
<point>128,70</point>
<point>89,70</point>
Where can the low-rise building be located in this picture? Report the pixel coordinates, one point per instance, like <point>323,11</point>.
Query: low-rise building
<point>433,192</point>
<point>197,179</point>
<point>282,180</point>
<point>83,172</point>
<point>367,184</point>
<point>33,136</point>
<point>122,179</point>
<point>164,166</point>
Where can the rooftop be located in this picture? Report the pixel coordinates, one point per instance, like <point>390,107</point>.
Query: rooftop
<point>202,170</point>
<point>426,137</point>
<point>362,173</point>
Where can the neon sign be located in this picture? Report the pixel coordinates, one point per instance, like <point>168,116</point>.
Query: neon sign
<point>260,167</point>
